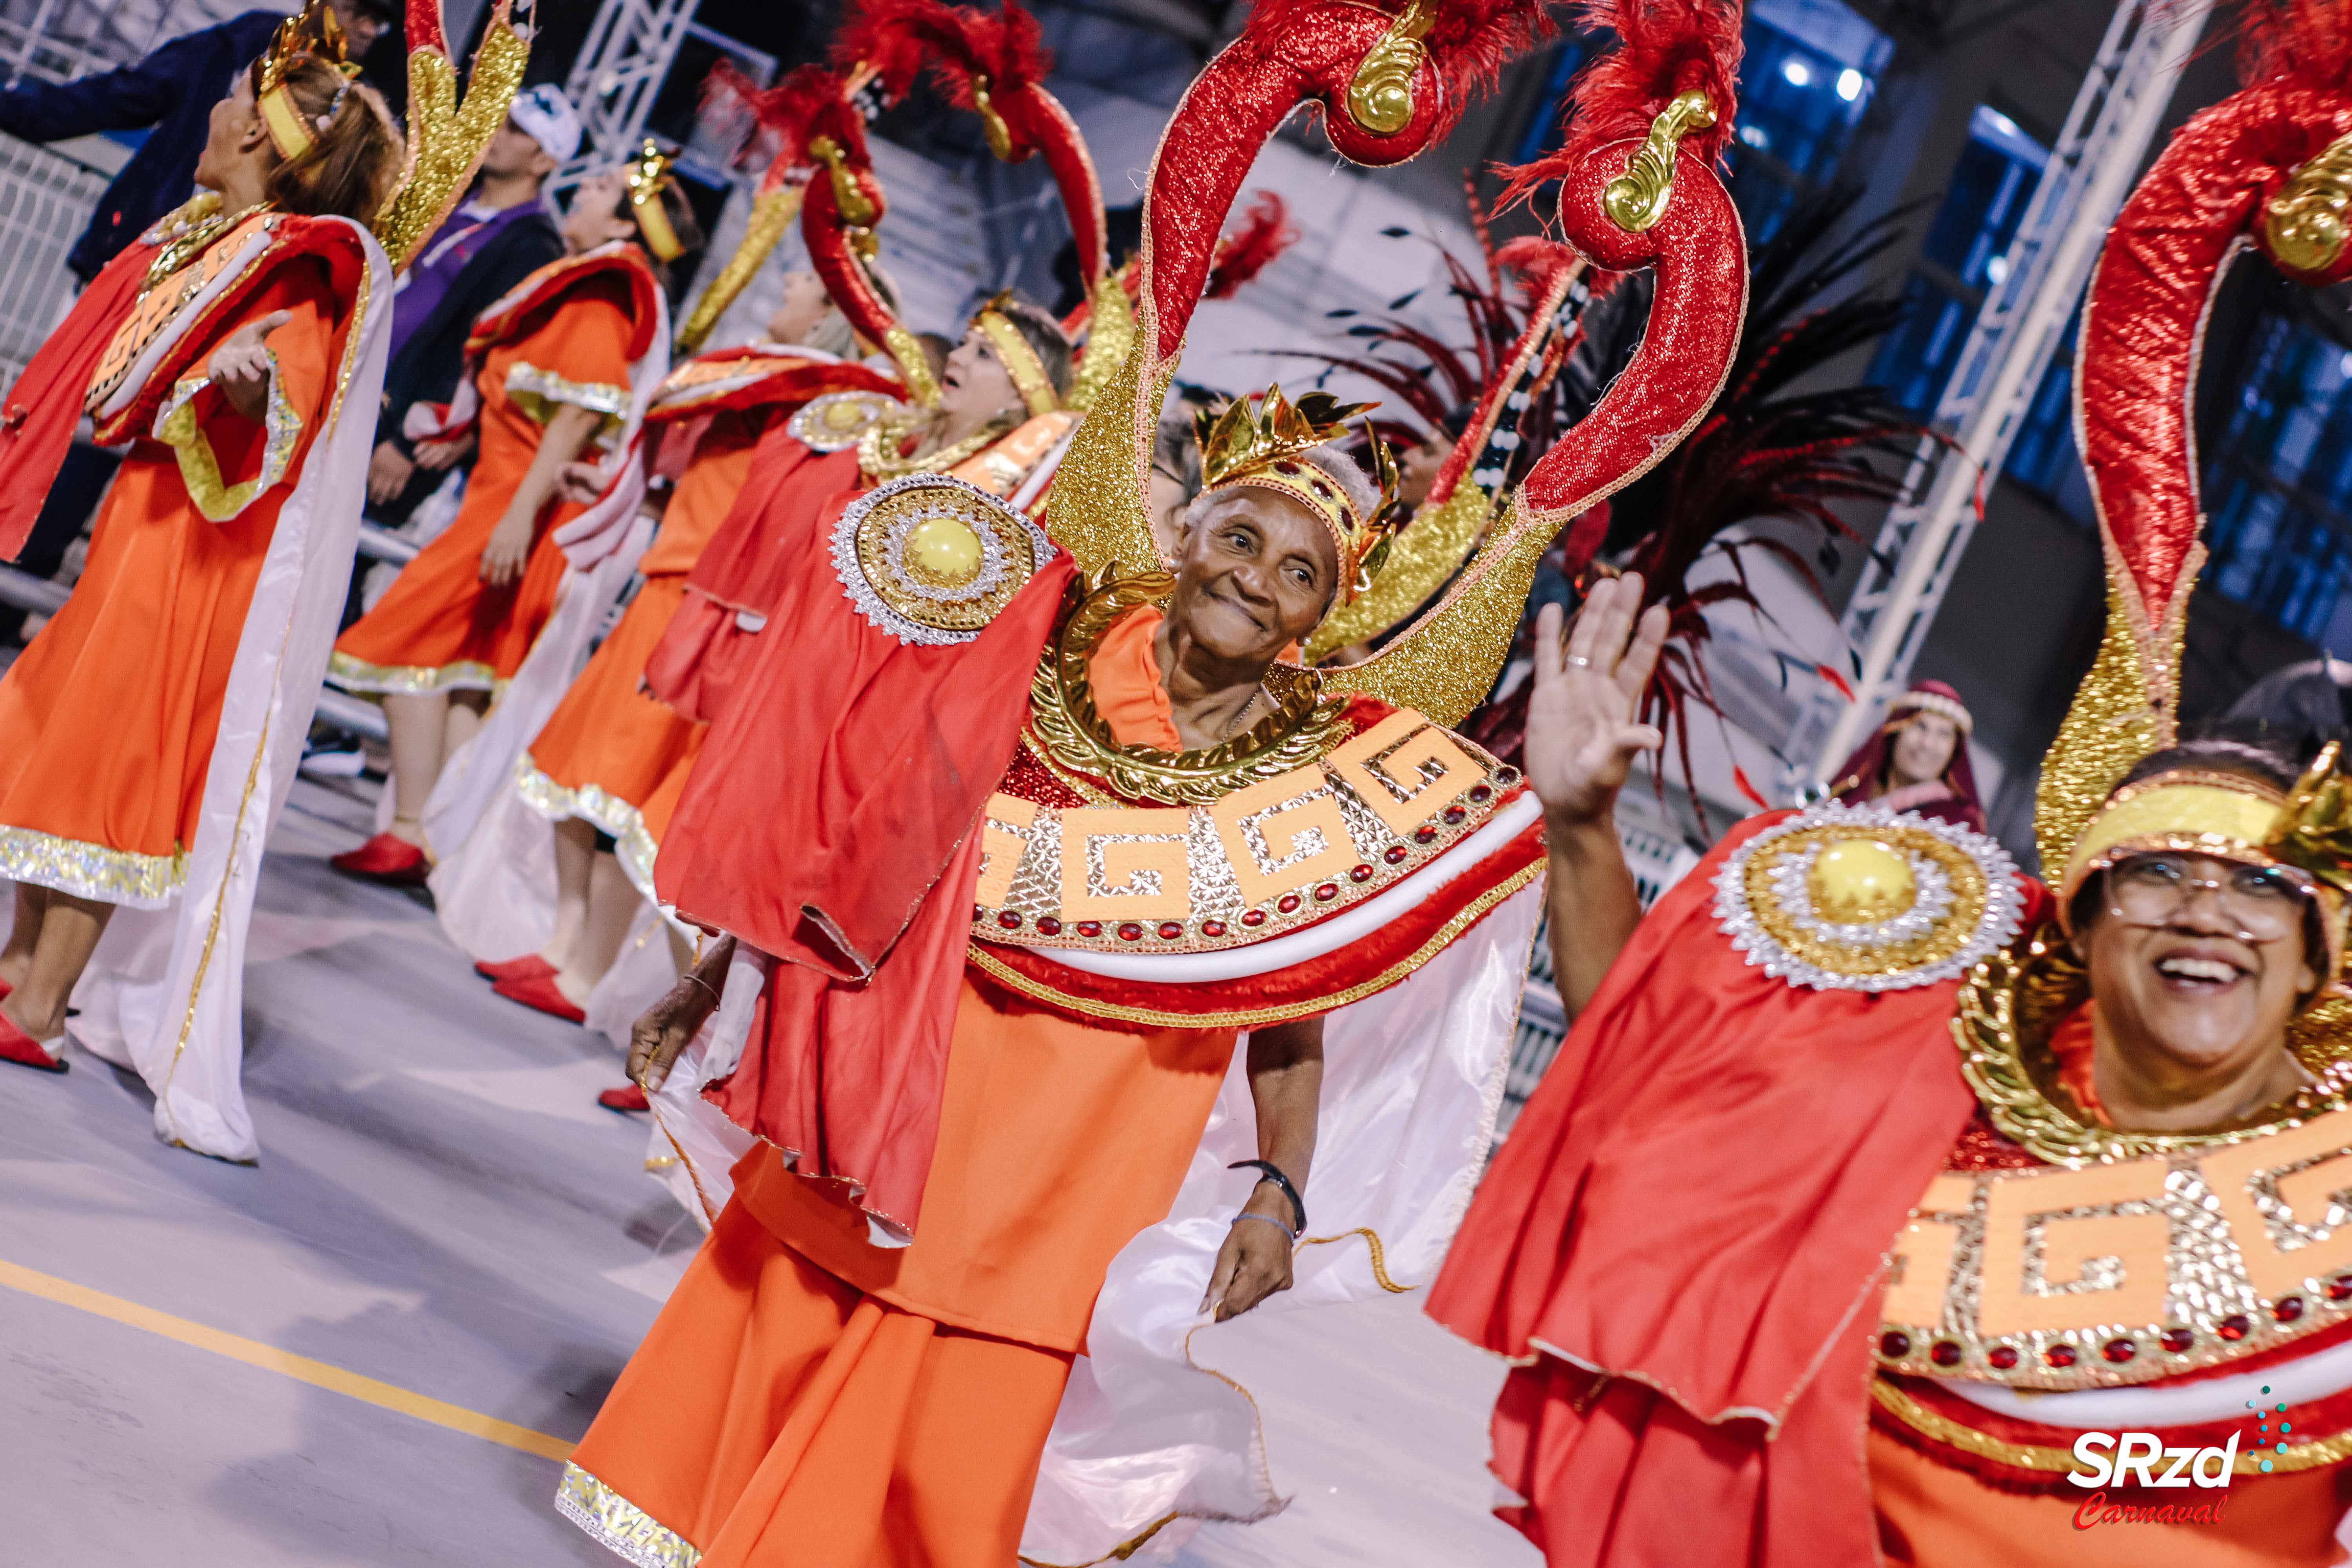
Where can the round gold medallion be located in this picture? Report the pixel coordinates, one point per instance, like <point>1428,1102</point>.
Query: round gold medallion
<point>931,560</point>
<point>837,419</point>
<point>1861,898</point>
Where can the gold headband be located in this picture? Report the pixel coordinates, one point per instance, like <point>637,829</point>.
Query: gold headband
<point>313,34</point>
<point>648,177</point>
<point>2227,816</point>
<point>1019,361</point>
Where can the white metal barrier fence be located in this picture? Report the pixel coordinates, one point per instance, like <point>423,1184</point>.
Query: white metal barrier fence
<point>45,199</point>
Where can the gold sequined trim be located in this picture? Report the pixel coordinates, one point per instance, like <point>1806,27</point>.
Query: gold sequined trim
<point>633,845</point>
<point>1953,1433</point>
<point>412,679</point>
<point>177,428</point>
<point>878,448</point>
<point>1128,1548</point>
<point>1255,1017</point>
<point>539,392</point>
<point>620,1526</point>
<point>91,870</point>
<point>1379,1257</point>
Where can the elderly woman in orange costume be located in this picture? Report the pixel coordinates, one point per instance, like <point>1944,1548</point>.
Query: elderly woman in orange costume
<point>556,363</point>
<point>196,631</point>
<point>1004,857</point>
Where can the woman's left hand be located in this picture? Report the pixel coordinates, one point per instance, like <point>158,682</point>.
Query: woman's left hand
<point>240,366</point>
<point>1253,1264</point>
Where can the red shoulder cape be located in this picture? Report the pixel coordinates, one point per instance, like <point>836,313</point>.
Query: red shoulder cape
<point>1696,1203</point>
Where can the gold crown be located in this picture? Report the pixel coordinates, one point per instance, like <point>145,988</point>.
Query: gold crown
<point>648,175</point>
<point>1267,447</point>
<point>313,33</point>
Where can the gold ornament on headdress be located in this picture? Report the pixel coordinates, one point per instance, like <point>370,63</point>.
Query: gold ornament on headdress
<point>648,177</point>
<point>447,139</point>
<point>2313,830</point>
<point>1267,447</point>
<point>312,33</point>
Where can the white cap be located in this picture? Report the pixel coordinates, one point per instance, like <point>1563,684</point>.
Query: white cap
<point>547,117</point>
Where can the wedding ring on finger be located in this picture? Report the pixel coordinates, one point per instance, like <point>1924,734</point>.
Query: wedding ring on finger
<point>1580,661</point>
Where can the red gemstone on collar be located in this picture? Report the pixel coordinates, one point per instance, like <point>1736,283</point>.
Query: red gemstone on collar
<point>2340,1288</point>
<point>2059,1355</point>
<point>1394,853</point>
<point>1945,1353</point>
<point>2288,1309</point>
<point>2120,1351</point>
<point>1009,920</point>
<point>1170,931</point>
<point>1212,928</point>
<point>2002,1357</point>
<point>1481,793</point>
<point>1090,928</point>
<point>1288,903</point>
<point>1894,1346</point>
<point>1327,891</point>
<point>1360,874</point>
<point>2233,1327</point>
<point>2178,1340</point>
<point>1131,931</point>
<point>1253,916</point>
<point>1425,834</point>
<point>1048,926</point>
<point>1454,815</point>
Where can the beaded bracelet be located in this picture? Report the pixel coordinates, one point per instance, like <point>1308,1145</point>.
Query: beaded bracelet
<point>1270,1220</point>
<point>1274,1173</point>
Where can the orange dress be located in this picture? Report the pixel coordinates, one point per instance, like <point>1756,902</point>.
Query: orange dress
<point>608,746</point>
<point>440,627</point>
<point>106,721</point>
<point>807,1398</point>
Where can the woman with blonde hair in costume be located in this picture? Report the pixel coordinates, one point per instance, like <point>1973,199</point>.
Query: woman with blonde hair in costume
<point>152,728</point>
<point>563,364</point>
<point>570,898</point>
<point>1918,761</point>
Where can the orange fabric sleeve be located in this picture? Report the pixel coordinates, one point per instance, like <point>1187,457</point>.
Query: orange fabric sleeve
<point>227,460</point>
<point>579,352</point>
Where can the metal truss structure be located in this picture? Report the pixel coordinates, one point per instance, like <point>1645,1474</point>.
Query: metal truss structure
<point>1911,564</point>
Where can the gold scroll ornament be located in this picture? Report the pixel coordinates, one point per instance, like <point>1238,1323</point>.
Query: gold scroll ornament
<point>2306,224</point>
<point>1379,95</point>
<point>1636,199</point>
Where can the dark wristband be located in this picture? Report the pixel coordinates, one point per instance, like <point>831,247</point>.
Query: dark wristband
<point>1274,1173</point>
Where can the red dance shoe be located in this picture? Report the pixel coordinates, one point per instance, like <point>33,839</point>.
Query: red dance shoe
<point>385,858</point>
<point>539,991</point>
<point>15,1046</point>
<point>628,1097</point>
<point>523,968</point>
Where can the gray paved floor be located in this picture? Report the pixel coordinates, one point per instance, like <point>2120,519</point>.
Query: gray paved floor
<point>440,1205</point>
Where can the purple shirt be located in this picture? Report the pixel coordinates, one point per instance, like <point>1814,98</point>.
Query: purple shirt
<point>469,229</point>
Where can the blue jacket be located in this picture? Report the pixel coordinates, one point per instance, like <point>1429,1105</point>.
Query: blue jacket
<point>173,90</point>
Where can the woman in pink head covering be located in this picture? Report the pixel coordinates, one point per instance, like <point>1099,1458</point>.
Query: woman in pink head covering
<point>1918,761</point>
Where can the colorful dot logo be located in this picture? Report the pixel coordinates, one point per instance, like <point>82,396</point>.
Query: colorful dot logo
<point>2270,1426</point>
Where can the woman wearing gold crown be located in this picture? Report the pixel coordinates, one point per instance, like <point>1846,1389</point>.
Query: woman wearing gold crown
<point>1884,1206</point>
<point>565,363</point>
<point>1007,848</point>
<point>154,725</point>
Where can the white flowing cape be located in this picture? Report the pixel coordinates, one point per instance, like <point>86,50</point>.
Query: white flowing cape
<point>164,995</point>
<point>1146,1436</point>
<point>494,884</point>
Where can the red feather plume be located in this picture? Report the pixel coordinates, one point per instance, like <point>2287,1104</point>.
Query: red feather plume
<point>2295,43</point>
<point>788,112</point>
<point>1663,47</point>
<point>901,38</point>
<point>1265,234</point>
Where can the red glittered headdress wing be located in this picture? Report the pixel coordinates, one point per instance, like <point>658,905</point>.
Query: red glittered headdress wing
<point>2269,167</point>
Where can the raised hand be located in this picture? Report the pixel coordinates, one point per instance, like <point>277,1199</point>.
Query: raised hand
<point>1583,732</point>
<point>240,366</point>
